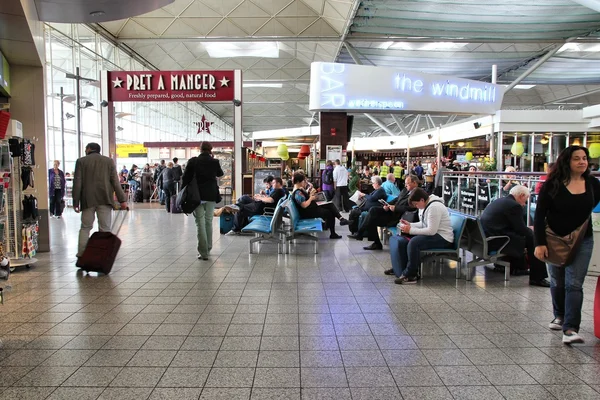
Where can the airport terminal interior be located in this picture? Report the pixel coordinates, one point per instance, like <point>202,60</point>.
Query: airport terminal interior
<point>466,99</point>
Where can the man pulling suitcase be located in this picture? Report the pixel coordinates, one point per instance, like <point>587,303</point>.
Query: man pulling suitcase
<point>95,184</point>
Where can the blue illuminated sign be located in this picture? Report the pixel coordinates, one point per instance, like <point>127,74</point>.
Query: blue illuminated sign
<point>355,87</point>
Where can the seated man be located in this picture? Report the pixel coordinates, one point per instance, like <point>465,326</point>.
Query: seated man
<point>434,231</point>
<point>257,206</point>
<point>390,186</point>
<point>371,200</point>
<point>504,216</point>
<point>386,216</point>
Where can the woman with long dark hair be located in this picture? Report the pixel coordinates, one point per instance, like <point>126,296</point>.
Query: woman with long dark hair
<point>308,208</point>
<point>565,203</point>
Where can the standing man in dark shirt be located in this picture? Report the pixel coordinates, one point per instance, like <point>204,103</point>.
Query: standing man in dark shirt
<point>177,170</point>
<point>504,217</point>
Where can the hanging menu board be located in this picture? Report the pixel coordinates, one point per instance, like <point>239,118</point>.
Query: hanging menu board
<point>259,175</point>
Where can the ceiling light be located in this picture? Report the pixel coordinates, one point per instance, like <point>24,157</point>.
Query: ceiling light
<point>241,49</point>
<point>576,142</point>
<point>97,13</point>
<point>385,45</point>
<point>265,85</point>
<point>461,144</point>
<point>443,46</point>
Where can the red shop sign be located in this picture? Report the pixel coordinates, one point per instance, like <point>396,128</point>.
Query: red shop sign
<point>170,86</point>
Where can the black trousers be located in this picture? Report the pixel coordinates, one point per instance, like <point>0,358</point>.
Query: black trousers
<point>327,212</point>
<point>247,210</point>
<point>342,198</point>
<point>377,216</point>
<point>55,203</point>
<point>515,250</point>
<point>170,189</point>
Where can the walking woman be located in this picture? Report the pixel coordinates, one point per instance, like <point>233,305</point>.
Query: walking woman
<point>308,208</point>
<point>205,169</point>
<point>565,203</point>
<point>56,187</point>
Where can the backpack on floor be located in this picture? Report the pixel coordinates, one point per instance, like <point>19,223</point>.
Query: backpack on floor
<point>225,222</point>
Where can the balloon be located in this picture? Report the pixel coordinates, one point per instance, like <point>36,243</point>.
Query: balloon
<point>594,150</point>
<point>517,149</point>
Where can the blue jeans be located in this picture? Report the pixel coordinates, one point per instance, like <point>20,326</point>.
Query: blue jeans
<point>566,286</point>
<point>406,254</point>
<point>133,184</point>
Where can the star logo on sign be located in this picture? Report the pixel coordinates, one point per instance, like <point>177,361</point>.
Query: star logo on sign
<point>224,82</point>
<point>117,83</point>
<point>203,126</point>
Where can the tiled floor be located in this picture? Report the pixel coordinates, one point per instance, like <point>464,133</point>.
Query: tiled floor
<point>164,325</point>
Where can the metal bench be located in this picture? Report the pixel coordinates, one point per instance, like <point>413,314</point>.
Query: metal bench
<point>267,228</point>
<point>478,245</point>
<point>308,227</point>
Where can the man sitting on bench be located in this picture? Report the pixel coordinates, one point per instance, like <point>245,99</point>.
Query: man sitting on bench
<point>504,216</point>
<point>386,216</point>
<point>257,206</point>
<point>434,231</point>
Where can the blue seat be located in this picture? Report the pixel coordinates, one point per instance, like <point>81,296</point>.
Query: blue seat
<point>268,228</point>
<point>302,227</point>
<point>458,223</point>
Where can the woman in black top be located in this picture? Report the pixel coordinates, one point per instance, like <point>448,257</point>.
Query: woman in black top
<point>205,169</point>
<point>308,208</point>
<point>565,202</point>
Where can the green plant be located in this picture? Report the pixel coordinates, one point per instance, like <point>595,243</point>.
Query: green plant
<point>487,164</point>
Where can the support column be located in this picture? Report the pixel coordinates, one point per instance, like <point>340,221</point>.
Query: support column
<point>238,141</point>
<point>330,121</point>
<point>499,156</point>
<point>27,105</point>
<point>109,136</point>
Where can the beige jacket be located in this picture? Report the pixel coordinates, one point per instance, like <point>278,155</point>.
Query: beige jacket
<point>96,181</point>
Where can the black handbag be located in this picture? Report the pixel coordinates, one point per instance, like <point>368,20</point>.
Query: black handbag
<point>188,198</point>
<point>411,216</point>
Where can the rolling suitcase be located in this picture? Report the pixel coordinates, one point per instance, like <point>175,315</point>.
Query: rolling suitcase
<point>102,248</point>
<point>225,222</point>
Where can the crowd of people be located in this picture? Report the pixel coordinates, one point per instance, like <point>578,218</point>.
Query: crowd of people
<point>565,203</point>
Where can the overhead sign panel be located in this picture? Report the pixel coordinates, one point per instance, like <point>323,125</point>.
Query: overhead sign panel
<point>201,86</point>
<point>351,88</point>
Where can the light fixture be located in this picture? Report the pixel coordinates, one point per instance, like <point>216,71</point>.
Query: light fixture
<point>576,142</point>
<point>264,85</point>
<point>69,116</point>
<point>98,13</point>
<point>461,144</point>
<point>242,49</point>
<point>87,104</point>
<point>119,128</point>
<point>104,103</point>
<point>544,140</point>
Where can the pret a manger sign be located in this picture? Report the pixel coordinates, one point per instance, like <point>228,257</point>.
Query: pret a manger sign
<point>347,87</point>
<point>171,85</point>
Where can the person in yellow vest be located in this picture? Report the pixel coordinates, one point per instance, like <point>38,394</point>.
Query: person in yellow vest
<point>399,175</point>
<point>384,171</point>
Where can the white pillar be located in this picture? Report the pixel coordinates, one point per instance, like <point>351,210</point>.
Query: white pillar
<point>238,140</point>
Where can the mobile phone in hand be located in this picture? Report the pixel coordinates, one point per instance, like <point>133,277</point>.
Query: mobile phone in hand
<point>385,203</point>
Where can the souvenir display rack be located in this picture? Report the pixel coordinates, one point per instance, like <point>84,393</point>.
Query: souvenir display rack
<point>13,213</point>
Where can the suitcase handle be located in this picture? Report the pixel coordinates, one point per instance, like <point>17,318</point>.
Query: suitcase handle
<point>114,223</point>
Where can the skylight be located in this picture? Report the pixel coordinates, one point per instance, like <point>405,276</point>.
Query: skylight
<point>264,85</point>
<point>242,49</point>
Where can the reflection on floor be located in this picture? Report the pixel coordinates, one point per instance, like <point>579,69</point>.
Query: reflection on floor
<point>164,325</point>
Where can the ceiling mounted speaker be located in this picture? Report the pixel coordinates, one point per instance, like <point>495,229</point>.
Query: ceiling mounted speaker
<point>476,125</point>
<point>90,11</point>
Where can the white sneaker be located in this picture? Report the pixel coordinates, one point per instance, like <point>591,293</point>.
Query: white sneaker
<point>571,338</point>
<point>556,324</point>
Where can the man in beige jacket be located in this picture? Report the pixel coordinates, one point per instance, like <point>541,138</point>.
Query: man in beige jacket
<point>96,181</point>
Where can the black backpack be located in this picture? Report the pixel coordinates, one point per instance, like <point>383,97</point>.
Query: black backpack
<point>328,177</point>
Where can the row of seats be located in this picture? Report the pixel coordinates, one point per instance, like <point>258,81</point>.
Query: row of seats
<point>270,228</point>
<point>468,236</point>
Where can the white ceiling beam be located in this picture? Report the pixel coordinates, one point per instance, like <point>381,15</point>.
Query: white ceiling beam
<point>380,124</point>
<point>572,97</point>
<point>591,4</point>
<point>399,123</point>
<point>553,50</point>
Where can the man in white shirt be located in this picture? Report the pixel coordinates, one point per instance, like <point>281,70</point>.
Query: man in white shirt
<point>340,184</point>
